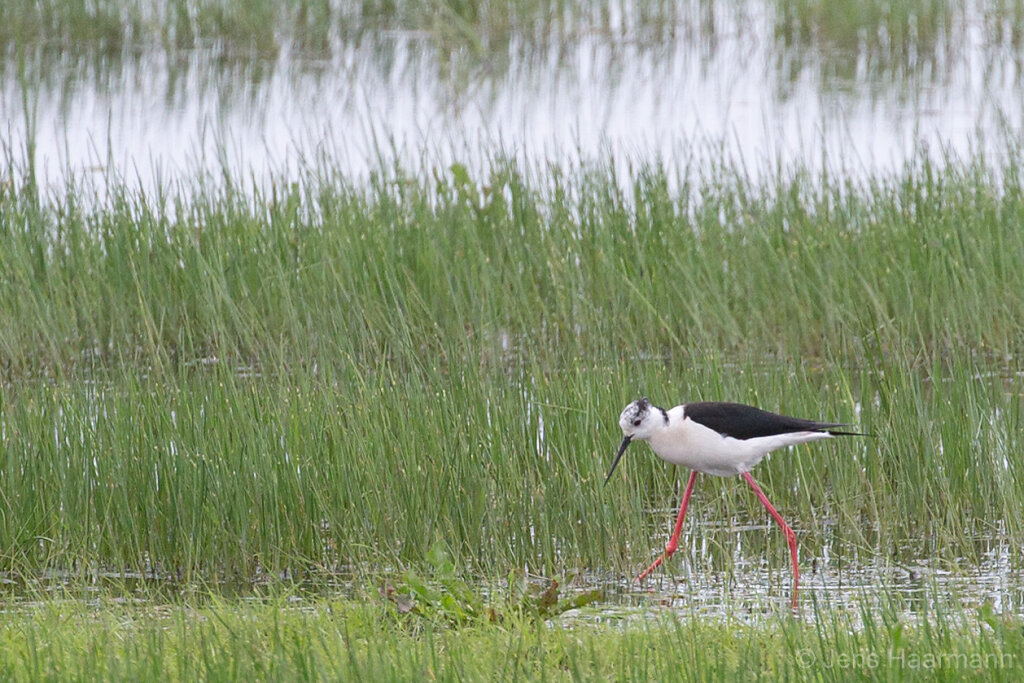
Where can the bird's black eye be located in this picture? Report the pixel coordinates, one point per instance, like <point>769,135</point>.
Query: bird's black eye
<point>636,422</point>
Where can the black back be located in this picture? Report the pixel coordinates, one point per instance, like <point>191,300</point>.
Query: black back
<point>747,422</point>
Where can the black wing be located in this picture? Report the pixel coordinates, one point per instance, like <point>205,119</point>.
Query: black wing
<point>747,422</point>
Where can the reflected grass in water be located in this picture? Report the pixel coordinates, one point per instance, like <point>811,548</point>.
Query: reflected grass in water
<point>887,39</point>
<point>718,80</point>
<point>739,571</point>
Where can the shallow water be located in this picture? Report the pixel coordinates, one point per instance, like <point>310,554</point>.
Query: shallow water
<point>835,578</point>
<point>751,586</point>
<point>755,83</point>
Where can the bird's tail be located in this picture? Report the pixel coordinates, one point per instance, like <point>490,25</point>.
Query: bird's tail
<point>839,432</point>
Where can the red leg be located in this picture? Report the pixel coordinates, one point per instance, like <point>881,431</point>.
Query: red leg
<point>790,536</point>
<point>673,542</point>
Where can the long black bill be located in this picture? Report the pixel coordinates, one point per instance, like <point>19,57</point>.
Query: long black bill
<point>618,456</point>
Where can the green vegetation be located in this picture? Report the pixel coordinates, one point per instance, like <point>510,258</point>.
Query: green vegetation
<point>280,639</point>
<point>328,375</point>
<point>381,404</point>
<point>326,429</point>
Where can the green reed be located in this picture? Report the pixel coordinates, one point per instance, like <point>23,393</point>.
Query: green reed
<point>294,640</point>
<point>508,269</point>
<point>230,381</point>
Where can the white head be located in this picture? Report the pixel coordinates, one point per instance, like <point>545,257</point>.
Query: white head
<point>638,420</point>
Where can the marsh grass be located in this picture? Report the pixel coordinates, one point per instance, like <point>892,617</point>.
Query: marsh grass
<point>211,389</point>
<point>512,271</point>
<point>233,382</point>
<point>286,639</point>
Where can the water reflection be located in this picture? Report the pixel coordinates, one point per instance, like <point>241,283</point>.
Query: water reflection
<point>861,85</point>
<point>746,576</point>
<point>733,571</point>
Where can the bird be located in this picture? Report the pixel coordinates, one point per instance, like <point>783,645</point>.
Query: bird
<point>721,439</point>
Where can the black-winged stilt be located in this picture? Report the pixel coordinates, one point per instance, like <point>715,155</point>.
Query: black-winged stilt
<point>723,439</point>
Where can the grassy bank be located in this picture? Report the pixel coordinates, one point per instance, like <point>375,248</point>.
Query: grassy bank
<point>337,640</point>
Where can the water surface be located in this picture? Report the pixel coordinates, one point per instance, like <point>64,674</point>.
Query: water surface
<point>756,84</point>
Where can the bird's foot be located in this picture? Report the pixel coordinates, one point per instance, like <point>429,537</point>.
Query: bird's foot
<point>669,549</point>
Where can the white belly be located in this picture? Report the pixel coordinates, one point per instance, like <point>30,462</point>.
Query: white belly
<point>702,449</point>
